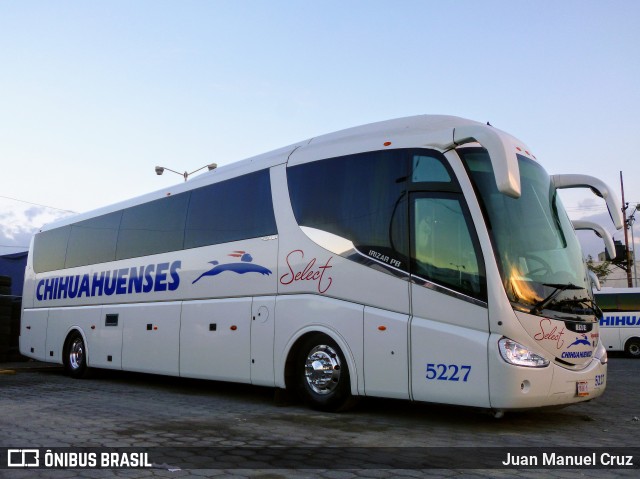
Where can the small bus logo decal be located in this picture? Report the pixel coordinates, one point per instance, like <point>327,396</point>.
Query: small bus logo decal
<point>245,265</point>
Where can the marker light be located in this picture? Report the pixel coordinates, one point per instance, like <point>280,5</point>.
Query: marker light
<point>517,354</point>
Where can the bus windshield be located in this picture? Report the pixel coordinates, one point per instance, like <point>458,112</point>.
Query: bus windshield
<point>538,253</point>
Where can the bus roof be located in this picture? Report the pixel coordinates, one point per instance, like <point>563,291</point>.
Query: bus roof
<point>611,290</point>
<point>435,131</point>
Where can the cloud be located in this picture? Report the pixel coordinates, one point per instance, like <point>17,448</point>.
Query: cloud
<point>588,203</point>
<point>19,222</point>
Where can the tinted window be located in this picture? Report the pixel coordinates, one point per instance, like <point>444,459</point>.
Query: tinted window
<point>443,247</point>
<point>232,210</point>
<point>629,302</point>
<point>607,302</point>
<point>93,241</point>
<point>236,209</point>
<point>152,228</point>
<point>357,197</point>
<point>624,302</point>
<point>429,169</point>
<point>50,249</point>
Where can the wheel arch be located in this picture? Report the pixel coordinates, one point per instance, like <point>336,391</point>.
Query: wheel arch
<point>65,344</point>
<point>631,340</point>
<point>293,347</point>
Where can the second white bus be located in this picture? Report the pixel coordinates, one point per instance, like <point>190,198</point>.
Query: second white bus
<point>620,323</point>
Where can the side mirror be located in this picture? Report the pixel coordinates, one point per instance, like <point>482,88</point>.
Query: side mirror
<point>600,231</point>
<point>599,187</point>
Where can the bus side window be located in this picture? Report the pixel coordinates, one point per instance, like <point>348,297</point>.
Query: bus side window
<point>628,302</point>
<point>443,248</point>
<point>429,169</point>
<point>50,249</point>
<point>607,302</point>
<point>360,198</point>
<point>153,227</point>
<point>93,240</point>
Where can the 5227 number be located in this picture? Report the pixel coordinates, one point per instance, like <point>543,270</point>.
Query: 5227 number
<point>599,380</point>
<point>448,372</point>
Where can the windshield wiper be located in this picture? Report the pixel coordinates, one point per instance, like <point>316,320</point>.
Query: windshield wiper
<point>559,288</point>
<point>592,305</point>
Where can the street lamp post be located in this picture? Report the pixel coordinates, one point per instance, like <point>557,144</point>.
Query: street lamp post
<point>632,220</point>
<point>627,258</point>
<point>185,175</point>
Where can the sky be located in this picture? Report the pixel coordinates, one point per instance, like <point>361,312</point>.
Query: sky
<point>95,94</point>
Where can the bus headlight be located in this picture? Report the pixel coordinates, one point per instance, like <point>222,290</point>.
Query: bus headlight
<point>515,353</point>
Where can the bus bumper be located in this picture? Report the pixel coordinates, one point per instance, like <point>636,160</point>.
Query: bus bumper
<point>516,387</point>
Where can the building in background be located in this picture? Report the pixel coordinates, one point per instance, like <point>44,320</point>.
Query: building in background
<point>617,278</point>
<point>11,282</point>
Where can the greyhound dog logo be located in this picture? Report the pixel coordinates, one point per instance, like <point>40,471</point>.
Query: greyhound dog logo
<point>582,339</point>
<point>244,266</point>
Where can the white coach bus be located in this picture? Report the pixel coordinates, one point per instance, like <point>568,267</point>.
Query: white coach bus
<point>427,258</point>
<point>620,323</point>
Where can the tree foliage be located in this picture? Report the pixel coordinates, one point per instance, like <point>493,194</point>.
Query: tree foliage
<point>601,270</point>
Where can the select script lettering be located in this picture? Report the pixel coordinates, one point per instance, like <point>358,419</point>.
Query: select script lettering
<point>310,272</point>
<point>549,333</point>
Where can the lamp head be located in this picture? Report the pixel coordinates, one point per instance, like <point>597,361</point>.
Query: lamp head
<point>212,166</point>
<point>159,170</point>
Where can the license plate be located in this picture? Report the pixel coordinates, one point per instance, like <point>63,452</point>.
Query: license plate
<point>583,388</point>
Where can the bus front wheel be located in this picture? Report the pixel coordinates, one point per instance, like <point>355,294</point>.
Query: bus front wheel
<point>75,356</point>
<point>632,348</point>
<point>322,375</point>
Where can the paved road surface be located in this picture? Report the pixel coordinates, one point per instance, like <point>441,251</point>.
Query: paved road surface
<point>40,407</point>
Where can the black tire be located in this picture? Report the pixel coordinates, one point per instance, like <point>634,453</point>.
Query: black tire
<point>322,375</point>
<point>632,348</point>
<point>75,356</point>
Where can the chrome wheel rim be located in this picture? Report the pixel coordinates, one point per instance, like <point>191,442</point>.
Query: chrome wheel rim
<point>76,354</point>
<point>322,369</point>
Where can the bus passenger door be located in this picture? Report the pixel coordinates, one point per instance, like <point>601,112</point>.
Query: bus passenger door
<point>449,324</point>
<point>262,335</point>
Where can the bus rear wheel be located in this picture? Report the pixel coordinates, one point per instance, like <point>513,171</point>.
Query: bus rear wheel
<point>632,348</point>
<point>322,375</point>
<point>75,356</point>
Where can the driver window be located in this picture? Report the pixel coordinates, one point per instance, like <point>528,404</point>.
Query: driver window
<point>443,250</point>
